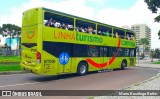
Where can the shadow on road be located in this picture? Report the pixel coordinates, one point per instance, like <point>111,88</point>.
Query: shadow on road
<point>38,78</point>
<point>51,78</point>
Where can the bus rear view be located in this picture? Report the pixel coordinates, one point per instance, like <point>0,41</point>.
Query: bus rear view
<point>55,43</point>
<point>31,37</point>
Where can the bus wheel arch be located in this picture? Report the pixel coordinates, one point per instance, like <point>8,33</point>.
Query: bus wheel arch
<point>123,64</point>
<point>82,68</point>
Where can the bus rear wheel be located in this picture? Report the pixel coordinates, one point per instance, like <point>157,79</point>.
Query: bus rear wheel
<point>123,65</point>
<point>82,69</point>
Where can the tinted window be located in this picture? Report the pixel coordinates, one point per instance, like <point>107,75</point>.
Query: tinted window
<point>132,52</point>
<point>126,52</point>
<point>56,48</point>
<point>112,51</point>
<point>79,50</point>
<point>120,53</point>
<point>92,51</point>
<point>106,51</point>
<point>101,52</point>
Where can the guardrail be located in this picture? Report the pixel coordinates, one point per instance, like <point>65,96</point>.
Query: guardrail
<point>10,52</point>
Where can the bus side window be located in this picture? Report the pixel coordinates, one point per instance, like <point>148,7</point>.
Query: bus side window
<point>79,50</point>
<point>105,51</point>
<point>58,21</point>
<point>119,33</point>
<point>85,27</point>
<point>109,32</point>
<point>93,51</point>
<point>112,51</point>
<point>126,52</point>
<point>104,31</point>
<point>129,36</point>
<point>101,30</point>
<point>120,53</point>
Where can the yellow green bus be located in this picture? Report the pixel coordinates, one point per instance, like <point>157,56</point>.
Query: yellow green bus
<point>54,43</point>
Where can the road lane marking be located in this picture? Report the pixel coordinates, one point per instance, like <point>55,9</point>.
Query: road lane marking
<point>19,84</point>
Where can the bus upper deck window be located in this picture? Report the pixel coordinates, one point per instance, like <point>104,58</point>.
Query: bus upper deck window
<point>58,21</point>
<point>85,27</point>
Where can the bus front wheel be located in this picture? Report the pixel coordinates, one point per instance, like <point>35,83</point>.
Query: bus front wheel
<point>123,65</point>
<point>82,69</point>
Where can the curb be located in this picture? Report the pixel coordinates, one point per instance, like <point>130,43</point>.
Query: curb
<point>141,83</point>
<point>12,72</point>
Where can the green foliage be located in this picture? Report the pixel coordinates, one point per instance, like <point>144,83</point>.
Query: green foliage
<point>145,43</point>
<point>157,19</point>
<point>157,53</point>
<point>159,34</point>
<point>156,62</point>
<point>154,5</point>
<point>9,59</point>
<point>13,30</point>
<point>10,67</point>
<point>0,30</point>
<point>9,63</point>
<point>11,27</point>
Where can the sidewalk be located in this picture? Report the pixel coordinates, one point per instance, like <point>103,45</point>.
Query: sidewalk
<point>147,63</point>
<point>150,84</point>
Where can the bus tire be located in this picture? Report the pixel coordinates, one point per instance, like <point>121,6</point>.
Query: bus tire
<point>82,69</point>
<point>123,65</point>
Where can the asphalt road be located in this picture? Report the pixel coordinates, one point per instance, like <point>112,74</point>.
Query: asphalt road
<point>94,81</point>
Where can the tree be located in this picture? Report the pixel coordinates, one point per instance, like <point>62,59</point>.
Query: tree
<point>154,5</point>
<point>159,34</point>
<point>10,30</point>
<point>157,52</point>
<point>144,42</point>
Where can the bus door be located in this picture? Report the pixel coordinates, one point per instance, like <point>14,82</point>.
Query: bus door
<point>65,58</point>
<point>132,53</point>
<point>103,56</point>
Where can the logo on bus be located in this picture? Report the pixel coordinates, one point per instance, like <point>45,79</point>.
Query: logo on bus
<point>64,58</point>
<point>30,34</point>
<point>107,63</point>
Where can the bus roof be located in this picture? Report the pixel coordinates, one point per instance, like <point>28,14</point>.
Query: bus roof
<point>85,19</point>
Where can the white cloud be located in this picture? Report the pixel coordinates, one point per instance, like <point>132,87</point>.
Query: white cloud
<point>100,2</point>
<point>74,7</point>
<point>138,13</point>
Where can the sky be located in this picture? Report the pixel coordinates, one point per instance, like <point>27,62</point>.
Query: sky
<point>113,12</point>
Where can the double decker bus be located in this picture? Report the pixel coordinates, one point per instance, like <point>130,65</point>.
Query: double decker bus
<point>54,43</point>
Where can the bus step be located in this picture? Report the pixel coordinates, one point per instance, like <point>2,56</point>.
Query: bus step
<point>105,70</point>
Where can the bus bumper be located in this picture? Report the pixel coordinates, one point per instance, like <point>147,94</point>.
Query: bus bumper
<point>31,69</point>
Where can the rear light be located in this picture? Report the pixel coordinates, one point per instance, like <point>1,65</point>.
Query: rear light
<point>38,57</point>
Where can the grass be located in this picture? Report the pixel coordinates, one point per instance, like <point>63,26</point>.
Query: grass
<point>10,67</point>
<point>156,62</point>
<point>9,63</point>
<point>9,59</point>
